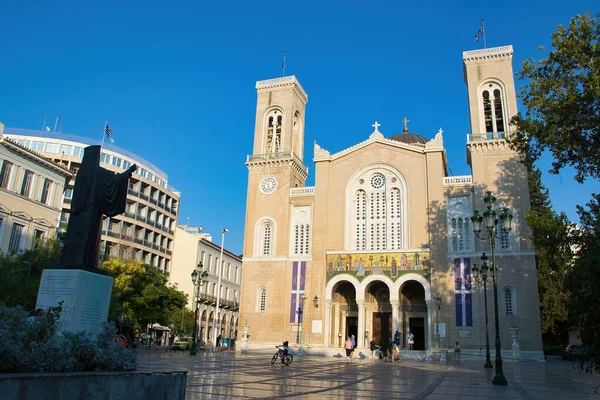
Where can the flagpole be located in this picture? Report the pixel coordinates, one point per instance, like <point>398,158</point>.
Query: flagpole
<point>484,43</point>
<point>103,135</point>
<point>283,65</point>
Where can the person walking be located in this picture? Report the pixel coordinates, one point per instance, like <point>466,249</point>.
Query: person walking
<point>349,349</point>
<point>353,339</point>
<point>410,339</point>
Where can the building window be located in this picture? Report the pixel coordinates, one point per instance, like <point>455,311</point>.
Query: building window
<point>377,223</point>
<point>267,233</point>
<point>274,126</point>
<point>262,299</point>
<point>16,238</point>
<point>301,239</point>
<point>78,152</point>
<point>5,174</point>
<point>67,150</point>
<point>105,158</point>
<point>509,305</point>
<point>46,191</point>
<point>26,185</point>
<point>69,195</point>
<point>503,242</point>
<point>52,148</point>
<point>116,161</point>
<point>38,146</point>
<point>493,111</point>
<point>361,220</point>
<point>460,235</point>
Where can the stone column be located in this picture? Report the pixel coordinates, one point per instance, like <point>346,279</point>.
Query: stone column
<point>336,324</point>
<point>343,325</point>
<point>360,339</point>
<point>430,327</point>
<point>328,330</point>
<point>395,315</point>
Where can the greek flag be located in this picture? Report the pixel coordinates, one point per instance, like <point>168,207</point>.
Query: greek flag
<point>479,33</point>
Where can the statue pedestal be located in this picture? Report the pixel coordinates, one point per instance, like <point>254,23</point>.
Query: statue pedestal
<point>86,297</point>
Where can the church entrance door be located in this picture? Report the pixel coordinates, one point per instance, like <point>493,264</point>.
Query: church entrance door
<point>352,327</point>
<point>382,327</point>
<point>417,327</point>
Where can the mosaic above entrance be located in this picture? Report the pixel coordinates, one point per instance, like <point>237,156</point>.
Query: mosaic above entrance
<point>392,264</point>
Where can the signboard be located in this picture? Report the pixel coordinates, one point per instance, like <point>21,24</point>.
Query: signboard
<point>464,333</point>
<point>442,329</point>
<point>317,326</point>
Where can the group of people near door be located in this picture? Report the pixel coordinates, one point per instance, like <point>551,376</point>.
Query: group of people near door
<point>393,345</point>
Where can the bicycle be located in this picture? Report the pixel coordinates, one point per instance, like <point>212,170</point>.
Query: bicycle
<point>286,359</point>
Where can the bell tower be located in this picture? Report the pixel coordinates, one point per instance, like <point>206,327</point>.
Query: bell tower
<point>275,166</point>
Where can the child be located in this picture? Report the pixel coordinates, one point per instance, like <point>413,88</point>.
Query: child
<point>457,350</point>
<point>285,350</point>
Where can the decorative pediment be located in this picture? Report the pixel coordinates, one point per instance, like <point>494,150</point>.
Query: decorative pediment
<point>320,153</point>
<point>437,142</point>
<point>4,210</point>
<point>22,215</point>
<point>43,222</point>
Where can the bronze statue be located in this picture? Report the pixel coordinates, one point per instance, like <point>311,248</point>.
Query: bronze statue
<point>97,192</point>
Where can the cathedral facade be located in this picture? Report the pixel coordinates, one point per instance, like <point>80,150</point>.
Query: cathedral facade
<point>384,240</point>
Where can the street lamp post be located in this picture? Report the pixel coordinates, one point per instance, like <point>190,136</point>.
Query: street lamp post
<point>491,217</point>
<point>300,312</point>
<point>438,303</point>
<point>481,276</point>
<point>220,269</point>
<point>198,279</point>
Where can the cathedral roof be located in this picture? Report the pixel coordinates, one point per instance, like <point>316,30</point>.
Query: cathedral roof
<point>409,138</point>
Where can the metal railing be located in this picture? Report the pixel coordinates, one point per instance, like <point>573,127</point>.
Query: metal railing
<point>485,136</point>
<point>458,180</point>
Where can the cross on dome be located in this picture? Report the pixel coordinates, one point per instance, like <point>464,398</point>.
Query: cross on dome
<point>376,125</point>
<point>405,121</point>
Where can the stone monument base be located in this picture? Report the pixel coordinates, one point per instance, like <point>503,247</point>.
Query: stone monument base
<point>86,297</point>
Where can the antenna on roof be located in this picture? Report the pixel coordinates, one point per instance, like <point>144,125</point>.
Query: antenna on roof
<point>283,64</point>
<point>62,121</point>
<point>44,124</point>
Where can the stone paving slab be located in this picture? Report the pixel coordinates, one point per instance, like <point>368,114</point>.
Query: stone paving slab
<point>230,375</point>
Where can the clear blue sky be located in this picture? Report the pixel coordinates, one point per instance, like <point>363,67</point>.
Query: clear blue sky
<point>176,79</point>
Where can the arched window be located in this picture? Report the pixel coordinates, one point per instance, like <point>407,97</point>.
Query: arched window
<point>493,108</point>
<point>262,299</point>
<point>509,302</point>
<point>267,236</point>
<point>361,206</point>
<point>377,220</point>
<point>274,126</point>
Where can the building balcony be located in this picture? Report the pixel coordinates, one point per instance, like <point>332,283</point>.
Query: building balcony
<point>487,136</point>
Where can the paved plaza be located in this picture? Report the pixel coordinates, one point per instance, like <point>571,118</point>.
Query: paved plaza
<point>251,376</point>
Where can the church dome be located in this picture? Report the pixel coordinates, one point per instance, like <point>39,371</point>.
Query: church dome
<point>410,138</point>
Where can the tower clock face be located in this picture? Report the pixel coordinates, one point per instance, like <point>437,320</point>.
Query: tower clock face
<point>268,185</point>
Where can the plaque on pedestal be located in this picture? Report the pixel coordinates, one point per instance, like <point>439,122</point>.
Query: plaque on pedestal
<point>86,297</point>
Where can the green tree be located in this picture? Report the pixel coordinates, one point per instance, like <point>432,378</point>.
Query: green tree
<point>175,318</point>
<point>583,282</point>
<point>21,273</point>
<point>143,291</point>
<point>562,99</point>
<point>551,236</point>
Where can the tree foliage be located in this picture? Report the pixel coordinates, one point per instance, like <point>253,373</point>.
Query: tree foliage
<point>552,240</point>
<point>143,292</point>
<point>21,273</point>
<point>562,100</point>
<point>583,282</point>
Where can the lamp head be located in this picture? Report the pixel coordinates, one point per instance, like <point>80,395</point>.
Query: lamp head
<point>194,276</point>
<point>490,219</point>
<point>475,272</point>
<point>225,230</point>
<point>489,200</point>
<point>476,221</point>
<point>506,218</point>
